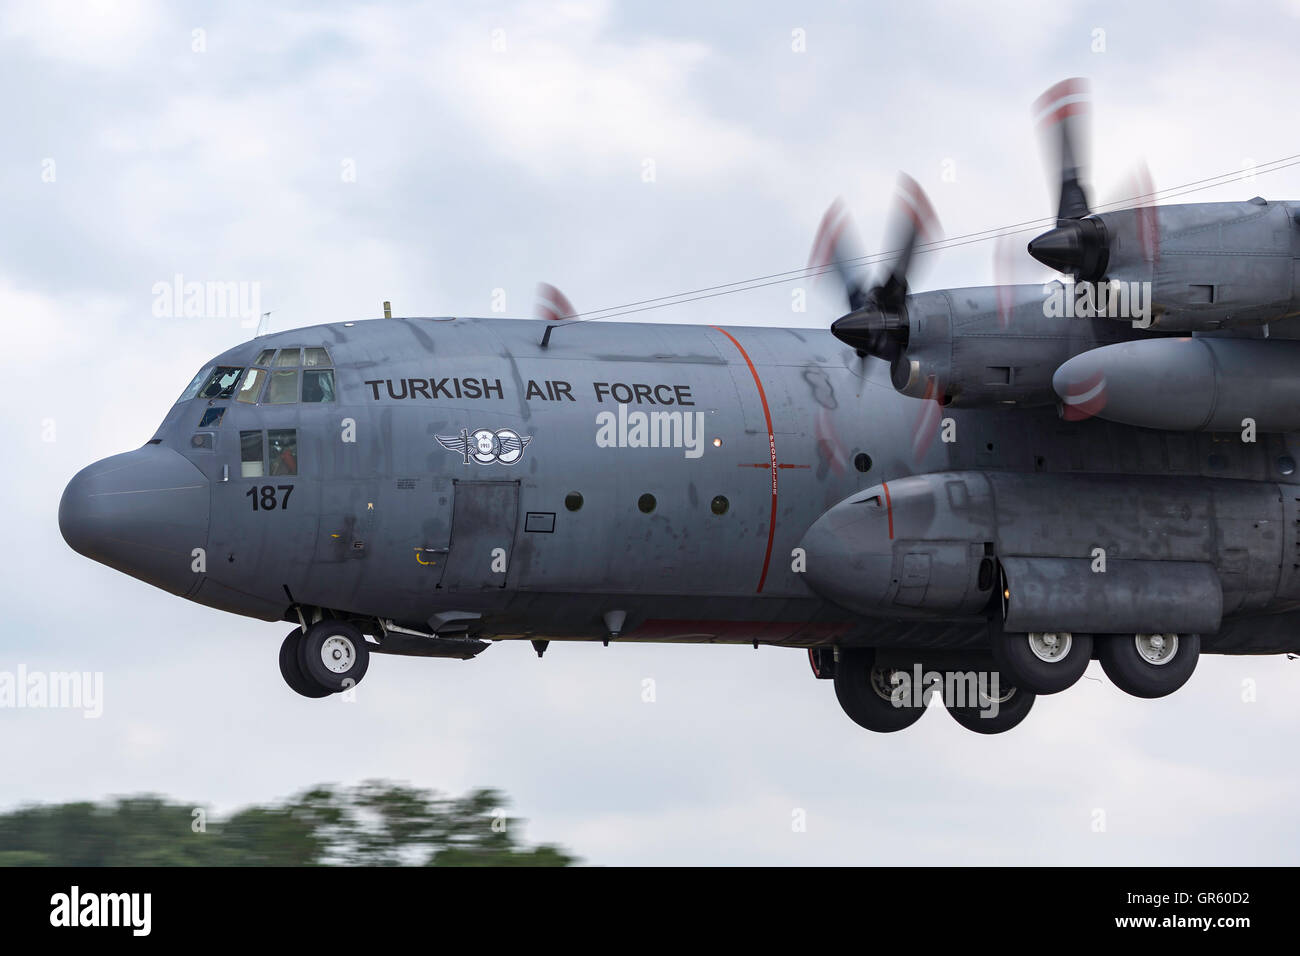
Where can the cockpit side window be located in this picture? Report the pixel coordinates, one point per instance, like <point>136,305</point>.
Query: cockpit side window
<point>288,358</point>
<point>315,358</point>
<point>221,383</point>
<point>193,388</point>
<point>250,455</point>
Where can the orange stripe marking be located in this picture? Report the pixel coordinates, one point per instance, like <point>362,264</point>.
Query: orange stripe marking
<point>771,445</point>
<point>889,509</point>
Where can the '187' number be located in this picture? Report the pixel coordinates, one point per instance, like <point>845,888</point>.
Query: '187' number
<point>265,499</point>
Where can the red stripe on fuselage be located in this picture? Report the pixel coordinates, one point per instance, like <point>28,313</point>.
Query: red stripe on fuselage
<point>771,446</point>
<point>889,509</point>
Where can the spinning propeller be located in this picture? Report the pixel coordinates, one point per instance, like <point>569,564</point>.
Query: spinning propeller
<point>1081,244</point>
<point>875,324</point>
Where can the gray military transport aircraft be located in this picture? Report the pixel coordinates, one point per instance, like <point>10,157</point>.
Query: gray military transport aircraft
<point>1114,476</point>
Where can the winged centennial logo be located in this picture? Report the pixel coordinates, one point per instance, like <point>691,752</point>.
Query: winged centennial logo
<point>505,445</point>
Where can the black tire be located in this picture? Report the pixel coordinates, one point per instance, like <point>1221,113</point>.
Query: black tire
<point>343,646</point>
<point>1013,706</point>
<point>291,670</point>
<point>1133,673</point>
<point>1041,663</point>
<point>867,696</point>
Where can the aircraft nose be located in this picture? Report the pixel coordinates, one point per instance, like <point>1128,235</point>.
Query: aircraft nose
<point>143,513</point>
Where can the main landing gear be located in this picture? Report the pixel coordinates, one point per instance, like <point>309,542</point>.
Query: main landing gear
<point>885,697</point>
<point>1045,663</point>
<point>1144,665</point>
<point>1149,665</point>
<point>886,692</point>
<point>331,657</point>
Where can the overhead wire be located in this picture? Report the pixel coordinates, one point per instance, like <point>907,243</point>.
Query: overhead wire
<point>983,235</point>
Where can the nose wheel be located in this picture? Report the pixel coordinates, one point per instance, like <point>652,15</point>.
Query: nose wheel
<point>332,656</point>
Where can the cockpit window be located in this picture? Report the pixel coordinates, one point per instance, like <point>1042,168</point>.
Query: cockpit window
<point>264,357</point>
<point>316,357</point>
<point>282,445</point>
<point>288,358</point>
<point>283,389</point>
<point>250,455</point>
<point>252,386</point>
<point>318,385</point>
<point>221,383</point>
<point>193,388</point>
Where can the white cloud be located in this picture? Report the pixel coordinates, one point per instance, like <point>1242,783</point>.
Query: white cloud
<point>478,169</point>
<point>101,34</point>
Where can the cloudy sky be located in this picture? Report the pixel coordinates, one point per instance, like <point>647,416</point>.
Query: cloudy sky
<point>341,155</point>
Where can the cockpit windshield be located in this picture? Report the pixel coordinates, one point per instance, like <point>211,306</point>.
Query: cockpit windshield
<point>278,377</point>
<point>221,383</point>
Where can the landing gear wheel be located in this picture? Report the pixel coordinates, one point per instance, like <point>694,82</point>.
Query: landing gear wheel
<point>995,713</point>
<point>334,654</point>
<point>291,670</point>
<point>870,696</point>
<point>1042,662</point>
<point>1149,665</point>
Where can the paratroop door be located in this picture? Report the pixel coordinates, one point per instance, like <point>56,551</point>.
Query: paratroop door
<point>484,516</point>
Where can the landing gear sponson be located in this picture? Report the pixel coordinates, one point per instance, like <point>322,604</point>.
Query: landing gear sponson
<point>885,692</point>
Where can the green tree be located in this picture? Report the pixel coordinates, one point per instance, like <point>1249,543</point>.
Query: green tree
<point>376,823</point>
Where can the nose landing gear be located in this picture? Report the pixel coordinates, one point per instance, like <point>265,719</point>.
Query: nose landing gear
<point>331,657</point>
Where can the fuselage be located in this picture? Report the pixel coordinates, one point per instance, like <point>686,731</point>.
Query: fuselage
<point>458,469</point>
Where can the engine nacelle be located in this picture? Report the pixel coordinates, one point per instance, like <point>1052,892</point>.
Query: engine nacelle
<point>1086,553</point>
<point>1186,384</point>
<point>1194,267</point>
<point>992,345</point>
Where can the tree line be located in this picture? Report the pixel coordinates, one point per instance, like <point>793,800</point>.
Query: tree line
<point>376,823</point>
